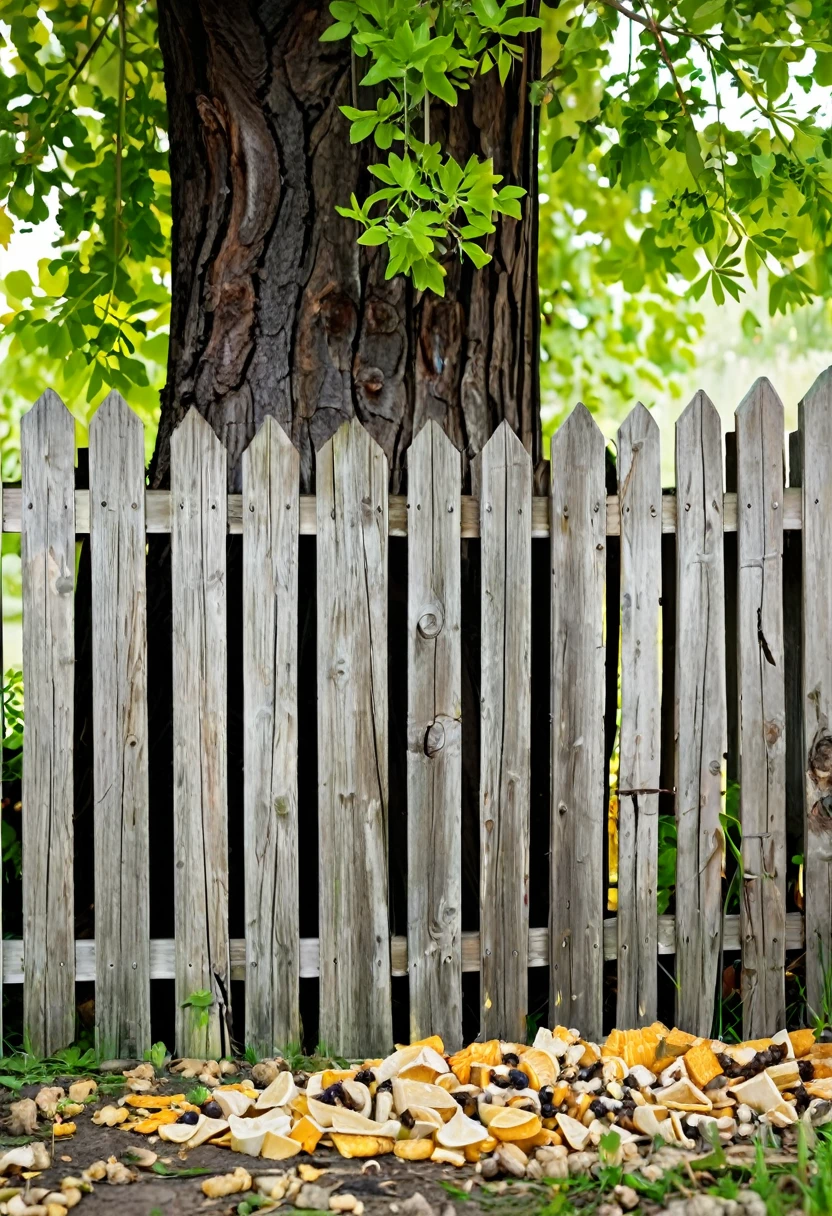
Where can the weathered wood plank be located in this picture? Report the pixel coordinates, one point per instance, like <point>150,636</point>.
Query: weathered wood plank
<point>640,491</point>
<point>434,739</point>
<point>578,814</point>
<point>815,414</point>
<point>355,997</point>
<point>762,709</point>
<point>47,441</point>
<point>271,475</point>
<point>162,950</point>
<point>158,513</point>
<point>700,711</point>
<point>119,673</point>
<point>505,725</point>
<point>200,822</point>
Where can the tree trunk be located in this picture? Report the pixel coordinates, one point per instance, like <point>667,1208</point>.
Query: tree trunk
<point>275,309</point>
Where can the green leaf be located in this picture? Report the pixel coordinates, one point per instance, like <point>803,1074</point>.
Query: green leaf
<point>693,153</point>
<point>762,164</point>
<point>377,235</point>
<point>341,29</point>
<point>18,284</point>
<point>429,275</point>
<point>437,83</point>
<point>476,253</point>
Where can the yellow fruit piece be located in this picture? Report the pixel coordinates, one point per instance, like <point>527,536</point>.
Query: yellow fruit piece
<point>152,1124</point>
<point>300,1105</point>
<point>240,1087</point>
<point>512,1124</point>
<point>488,1146</point>
<point>542,1138</point>
<point>155,1101</point>
<point>446,1081</point>
<point>462,1071</point>
<point>539,1063</point>
<point>308,1173</point>
<point>487,1053</point>
<point>63,1129</point>
<point>332,1075</point>
<point>306,1133</point>
<point>420,1073</point>
<point>471,1152</point>
<point>413,1150</point>
<point>802,1042</point>
<point>223,1141</point>
<point>433,1040</point>
<point>361,1146</point>
<point>702,1065</point>
<point>757,1044</point>
<point>526,1067</point>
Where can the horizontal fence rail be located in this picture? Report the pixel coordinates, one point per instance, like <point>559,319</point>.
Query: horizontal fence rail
<point>158,513</point>
<point>465,715</point>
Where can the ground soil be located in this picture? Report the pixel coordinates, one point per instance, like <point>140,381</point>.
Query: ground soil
<point>153,1195</point>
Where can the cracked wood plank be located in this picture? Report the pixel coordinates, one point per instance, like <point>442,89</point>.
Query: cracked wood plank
<point>700,711</point>
<point>578,814</point>
<point>355,996</point>
<point>815,415</point>
<point>271,478</point>
<point>505,475</point>
<point>119,674</point>
<point>640,496</point>
<point>200,815</point>
<point>762,708</point>
<point>434,738</point>
<point>47,443</point>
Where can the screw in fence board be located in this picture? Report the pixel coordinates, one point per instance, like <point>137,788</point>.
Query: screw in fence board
<point>700,711</point>
<point>640,499</point>
<point>815,420</point>
<point>271,478</point>
<point>578,814</point>
<point>434,743</point>
<point>47,443</point>
<point>505,475</point>
<point>200,815</point>
<point>119,671</point>
<point>760,485</point>
<point>355,994</point>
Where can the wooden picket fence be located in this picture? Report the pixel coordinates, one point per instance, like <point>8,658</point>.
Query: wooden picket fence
<point>352,516</point>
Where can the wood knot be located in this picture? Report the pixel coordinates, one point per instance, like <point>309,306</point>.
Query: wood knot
<point>372,380</point>
<point>431,621</point>
<point>434,738</point>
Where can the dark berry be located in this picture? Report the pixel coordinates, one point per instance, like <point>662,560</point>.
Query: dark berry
<point>806,1069</point>
<point>212,1110</point>
<point>630,1083</point>
<point>461,1098</point>
<point>511,1059</point>
<point>190,1116</point>
<point>501,1082</point>
<point>597,1107</point>
<point>407,1120</point>
<point>546,1094</point>
<point>547,1111</point>
<point>384,1087</point>
<point>517,1079</point>
<point>366,1076</point>
<point>333,1094</point>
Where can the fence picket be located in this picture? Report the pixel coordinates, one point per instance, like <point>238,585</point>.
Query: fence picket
<point>198,529</point>
<point>815,414</point>
<point>700,711</point>
<point>505,720</point>
<point>355,995</point>
<point>271,472</point>
<point>640,489</point>
<point>119,672</point>
<point>578,814</point>
<point>762,710</point>
<point>434,751</point>
<point>47,443</point>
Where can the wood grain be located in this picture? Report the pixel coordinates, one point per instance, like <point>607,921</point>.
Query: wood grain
<point>762,712</point>
<point>700,712</point>
<point>200,817</point>
<point>119,673</point>
<point>158,513</point>
<point>434,739</point>
<point>640,489</point>
<point>271,471</point>
<point>815,415</point>
<point>578,814</point>
<point>47,441</point>
<point>355,998</point>
<point>505,726</point>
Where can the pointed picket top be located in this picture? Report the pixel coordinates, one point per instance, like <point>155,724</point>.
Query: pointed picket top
<point>505,442</point>
<point>50,415</point>
<point>431,432</point>
<point>578,435</point>
<point>115,412</point>
<point>270,430</point>
<point>761,397</point>
<point>695,412</point>
<point>194,429</point>
<point>819,397</point>
<point>639,424</point>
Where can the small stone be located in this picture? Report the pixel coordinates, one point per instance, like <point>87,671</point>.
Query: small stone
<point>264,1073</point>
<point>416,1205</point>
<point>511,1160</point>
<point>489,1168</point>
<point>313,1196</point>
<point>627,1197</point>
<point>581,1163</point>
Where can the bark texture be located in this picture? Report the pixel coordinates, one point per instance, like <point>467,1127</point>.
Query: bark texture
<point>276,310</point>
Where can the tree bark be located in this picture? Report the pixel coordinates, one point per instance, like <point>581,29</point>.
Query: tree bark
<point>276,309</point>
